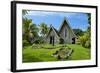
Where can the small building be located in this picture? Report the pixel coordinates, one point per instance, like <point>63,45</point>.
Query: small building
<point>64,35</point>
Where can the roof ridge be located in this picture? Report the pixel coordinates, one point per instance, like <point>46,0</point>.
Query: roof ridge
<point>55,30</point>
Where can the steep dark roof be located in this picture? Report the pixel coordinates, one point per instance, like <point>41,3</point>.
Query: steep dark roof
<point>65,22</point>
<point>52,28</point>
<point>56,32</point>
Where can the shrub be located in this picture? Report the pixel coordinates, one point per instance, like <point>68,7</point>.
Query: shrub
<point>61,41</point>
<point>25,43</point>
<point>36,41</point>
<point>78,41</point>
<point>85,41</point>
<point>88,44</point>
<point>39,41</point>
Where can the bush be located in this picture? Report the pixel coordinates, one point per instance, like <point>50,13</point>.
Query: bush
<point>88,44</point>
<point>85,42</point>
<point>25,43</point>
<point>39,41</point>
<point>36,41</point>
<point>78,41</point>
<point>61,41</point>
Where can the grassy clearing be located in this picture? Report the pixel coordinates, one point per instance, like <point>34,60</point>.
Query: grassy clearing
<point>41,53</point>
<point>31,54</point>
<point>80,53</point>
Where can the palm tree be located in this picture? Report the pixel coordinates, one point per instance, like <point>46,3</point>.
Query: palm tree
<point>30,30</point>
<point>24,12</point>
<point>25,27</point>
<point>43,29</point>
<point>33,29</point>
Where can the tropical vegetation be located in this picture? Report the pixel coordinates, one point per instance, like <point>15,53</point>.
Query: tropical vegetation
<point>35,48</point>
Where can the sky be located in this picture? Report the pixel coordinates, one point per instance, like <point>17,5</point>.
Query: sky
<point>76,20</point>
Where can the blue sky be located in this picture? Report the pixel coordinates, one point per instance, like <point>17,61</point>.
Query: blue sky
<point>76,20</point>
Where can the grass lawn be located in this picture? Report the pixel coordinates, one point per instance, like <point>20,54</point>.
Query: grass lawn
<point>42,53</point>
<point>80,53</point>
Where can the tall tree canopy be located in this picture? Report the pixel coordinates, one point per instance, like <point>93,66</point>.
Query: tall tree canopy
<point>24,12</point>
<point>30,30</point>
<point>43,29</point>
<point>89,18</point>
<point>25,28</point>
<point>86,38</point>
<point>34,29</point>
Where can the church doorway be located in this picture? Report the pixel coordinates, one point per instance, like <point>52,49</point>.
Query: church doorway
<point>73,40</point>
<point>52,40</point>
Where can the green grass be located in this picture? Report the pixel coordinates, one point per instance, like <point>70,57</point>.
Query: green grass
<point>80,53</point>
<point>42,53</point>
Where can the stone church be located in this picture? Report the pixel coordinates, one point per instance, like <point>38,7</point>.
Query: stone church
<point>65,34</point>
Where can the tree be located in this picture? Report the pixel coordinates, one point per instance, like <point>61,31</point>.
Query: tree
<point>33,34</point>
<point>25,28</point>
<point>86,38</point>
<point>25,22</point>
<point>30,30</point>
<point>88,42</point>
<point>25,31</point>
<point>43,29</point>
<point>83,39</point>
<point>78,32</point>
<point>89,18</point>
<point>34,29</point>
<point>24,12</point>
